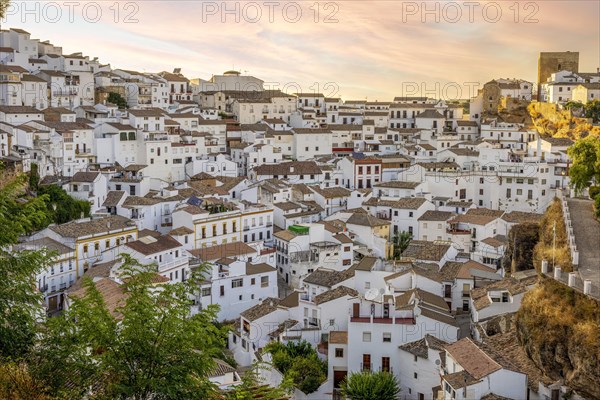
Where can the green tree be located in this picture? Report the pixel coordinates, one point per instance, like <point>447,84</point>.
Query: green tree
<point>370,385</point>
<point>148,347</point>
<point>300,363</point>
<point>252,387</point>
<point>585,154</point>
<point>60,206</point>
<point>592,110</point>
<point>34,177</point>
<point>20,303</point>
<point>117,99</point>
<point>570,105</point>
<point>401,241</point>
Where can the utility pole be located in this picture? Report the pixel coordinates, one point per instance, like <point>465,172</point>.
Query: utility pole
<point>554,245</point>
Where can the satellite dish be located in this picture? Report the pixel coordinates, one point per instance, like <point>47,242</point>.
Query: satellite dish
<point>372,294</point>
<point>437,362</point>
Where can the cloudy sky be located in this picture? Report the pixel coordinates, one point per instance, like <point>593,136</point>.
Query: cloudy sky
<point>354,49</point>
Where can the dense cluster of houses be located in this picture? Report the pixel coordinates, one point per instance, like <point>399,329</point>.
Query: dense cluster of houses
<point>293,206</point>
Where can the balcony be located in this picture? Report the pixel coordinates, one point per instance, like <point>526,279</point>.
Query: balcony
<point>456,231</point>
<point>64,93</point>
<point>313,322</point>
<point>366,366</point>
<point>304,297</point>
<point>384,216</point>
<point>172,264</point>
<point>380,320</point>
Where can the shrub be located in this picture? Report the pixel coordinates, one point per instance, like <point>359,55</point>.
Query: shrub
<point>299,362</point>
<point>370,386</point>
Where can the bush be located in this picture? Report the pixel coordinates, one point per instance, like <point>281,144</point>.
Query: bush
<point>597,206</point>
<point>299,362</point>
<point>594,191</point>
<point>369,385</point>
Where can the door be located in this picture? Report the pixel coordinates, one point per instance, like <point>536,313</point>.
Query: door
<point>53,303</point>
<point>386,311</point>
<point>355,309</point>
<point>338,377</point>
<point>385,364</point>
<point>366,364</point>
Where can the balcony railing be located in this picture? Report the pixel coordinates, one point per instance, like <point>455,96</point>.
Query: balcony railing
<point>64,93</point>
<point>381,320</point>
<point>168,265</point>
<point>366,366</point>
<point>458,231</point>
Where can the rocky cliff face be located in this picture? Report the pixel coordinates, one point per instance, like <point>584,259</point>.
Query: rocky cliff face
<point>550,120</point>
<point>560,331</point>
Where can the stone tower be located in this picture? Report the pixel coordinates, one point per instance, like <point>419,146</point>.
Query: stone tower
<point>552,62</point>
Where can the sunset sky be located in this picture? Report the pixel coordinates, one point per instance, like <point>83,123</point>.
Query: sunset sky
<point>368,49</point>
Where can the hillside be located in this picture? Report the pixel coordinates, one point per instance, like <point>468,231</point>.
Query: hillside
<point>544,248</point>
<point>550,121</point>
<point>560,331</point>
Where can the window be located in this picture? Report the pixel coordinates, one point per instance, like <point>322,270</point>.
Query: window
<point>253,281</point>
<point>339,352</point>
<point>387,337</point>
<point>416,358</point>
<point>264,281</point>
<point>415,375</point>
<point>237,283</point>
<point>85,248</point>
<point>366,336</point>
<point>206,292</point>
